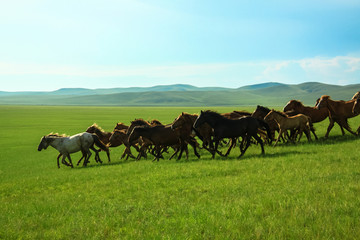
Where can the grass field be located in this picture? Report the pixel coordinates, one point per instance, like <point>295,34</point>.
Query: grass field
<point>302,191</point>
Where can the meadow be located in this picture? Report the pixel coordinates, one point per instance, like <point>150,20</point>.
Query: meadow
<point>302,191</point>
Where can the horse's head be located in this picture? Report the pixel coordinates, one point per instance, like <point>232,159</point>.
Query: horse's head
<point>43,143</point>
<point>292,105</point>
<point>178,122</point>
<point>260,112</point>
<point>356,107</point>
<point>91,129</point>
<point>322,102</point>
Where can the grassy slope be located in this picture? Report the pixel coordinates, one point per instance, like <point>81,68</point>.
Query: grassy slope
<point>305,191</point>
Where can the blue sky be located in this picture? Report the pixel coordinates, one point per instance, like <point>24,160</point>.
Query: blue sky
<point>46,45</point>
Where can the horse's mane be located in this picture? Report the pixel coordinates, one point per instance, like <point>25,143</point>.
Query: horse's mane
<point>157,122</point>
<point>214,114</point>
<point>57,135</point>
<point>297,102</point>
<point>245,113</point>
<point>280,113</point>
<point>140,121</point>
<point>97,127</point>
<point>262,108</point>
<point>325,97</point>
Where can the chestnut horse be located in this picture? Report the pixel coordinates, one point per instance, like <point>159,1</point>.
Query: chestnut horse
<point>339,110</point>
<point>316,115</point>
<point>299,121</point>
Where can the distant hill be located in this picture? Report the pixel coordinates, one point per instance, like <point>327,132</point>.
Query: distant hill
<point>267,94</point>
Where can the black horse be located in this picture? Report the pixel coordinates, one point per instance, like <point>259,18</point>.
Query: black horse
<point>245,127</point>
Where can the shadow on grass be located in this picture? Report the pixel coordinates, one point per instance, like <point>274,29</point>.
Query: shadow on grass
<point>332,140</point>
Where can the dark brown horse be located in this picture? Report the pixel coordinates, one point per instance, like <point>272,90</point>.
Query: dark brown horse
<point>245,127</point>
<point>160,137</point>
<point>143,142</point>
<point>184,123</point>
<point>340,111</point>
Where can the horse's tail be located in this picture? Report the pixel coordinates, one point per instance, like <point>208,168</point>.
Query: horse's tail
<point>264,125</point>
<point>101,145</point>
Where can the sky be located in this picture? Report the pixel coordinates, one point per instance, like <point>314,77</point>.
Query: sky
<point>46,45</point>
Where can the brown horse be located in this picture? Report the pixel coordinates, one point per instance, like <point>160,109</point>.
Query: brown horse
<point>121,126</point>
<point>143,142</point>
<point>260,112</point>
<point>118,138</point>
<point>316,115</point>
<point>340,111</point>
<point>102,135</point>
<point>184,123</point>
<point>160,137</point>
<point>299,121</point>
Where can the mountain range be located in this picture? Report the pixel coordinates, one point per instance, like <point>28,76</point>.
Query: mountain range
<point>267,94</point>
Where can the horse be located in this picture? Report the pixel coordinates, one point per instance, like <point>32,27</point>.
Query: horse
<point>103,135</point>
<point>184,124</point>
<point>119,137</point>
<point>260,112</point>
<point>159,136</point>
<point>316,115</point>
<point>340,111</point>
<point>71,144</point>
<point>299,121</point>
<point>223,127</point>
<point>120,126</point>
<point>144,143</point>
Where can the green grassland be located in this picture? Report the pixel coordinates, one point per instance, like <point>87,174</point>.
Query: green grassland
<point>302,191</point>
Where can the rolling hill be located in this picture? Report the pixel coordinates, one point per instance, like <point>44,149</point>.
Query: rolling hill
<point>274,94</point>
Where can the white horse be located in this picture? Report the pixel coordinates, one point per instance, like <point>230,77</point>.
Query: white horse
<point>66,145</point>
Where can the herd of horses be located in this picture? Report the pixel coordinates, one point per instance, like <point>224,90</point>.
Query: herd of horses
<point>212,128</point>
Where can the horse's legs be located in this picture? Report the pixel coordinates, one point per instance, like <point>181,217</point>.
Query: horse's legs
<point>347,127</point>
<point>260,141</point>
<point>233,142</point>
<point>193,144</point>
<point>331,125</point>
<point>248,139</point>
<point>58,159</point>
<point>280,134</point>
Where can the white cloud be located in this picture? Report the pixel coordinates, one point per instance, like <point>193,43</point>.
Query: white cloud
<point>336,70</point>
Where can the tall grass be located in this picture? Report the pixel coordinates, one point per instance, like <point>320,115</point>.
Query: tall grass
<point>302,191</point>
